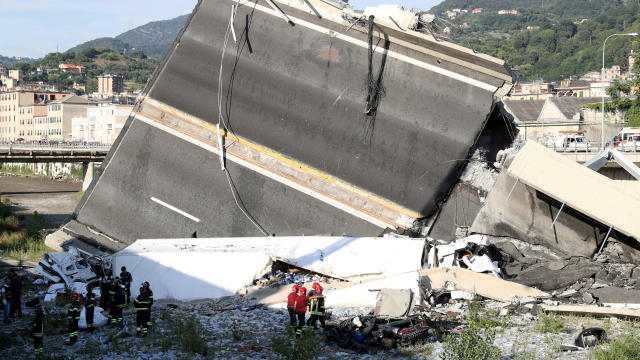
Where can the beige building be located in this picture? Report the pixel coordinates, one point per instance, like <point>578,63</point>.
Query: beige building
<point>109,85</point>
<point>10,103</point>
<point>102,123</point>
<point>16,74</point>
<point>60,114</point>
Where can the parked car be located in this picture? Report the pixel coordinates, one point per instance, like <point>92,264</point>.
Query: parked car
<point>572,142</point>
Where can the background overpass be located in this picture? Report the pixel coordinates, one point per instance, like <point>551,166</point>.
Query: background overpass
<point>87,155</point>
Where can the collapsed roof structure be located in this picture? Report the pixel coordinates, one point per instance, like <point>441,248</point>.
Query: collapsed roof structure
<point>292,118</point>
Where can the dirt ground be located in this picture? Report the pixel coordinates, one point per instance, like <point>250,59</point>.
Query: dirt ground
<point>55,199</point>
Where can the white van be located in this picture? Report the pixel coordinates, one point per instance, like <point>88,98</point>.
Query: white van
<point>571,141</point>
<point>629,139</point>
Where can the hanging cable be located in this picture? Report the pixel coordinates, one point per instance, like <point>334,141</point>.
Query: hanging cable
<point>221,120</point>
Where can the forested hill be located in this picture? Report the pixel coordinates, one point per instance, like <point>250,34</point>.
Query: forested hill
<point>554,41</point>
<point>153,39</point>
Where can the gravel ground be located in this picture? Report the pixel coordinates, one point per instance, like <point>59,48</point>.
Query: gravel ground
<point>239,328</point>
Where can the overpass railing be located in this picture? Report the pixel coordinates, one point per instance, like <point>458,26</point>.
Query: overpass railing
<point>594,147</point>
<point>55,146</point>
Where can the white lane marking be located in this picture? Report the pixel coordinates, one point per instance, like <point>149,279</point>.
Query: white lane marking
<point>380,50</point>
<point>344,207</point>
<point>173,208</point>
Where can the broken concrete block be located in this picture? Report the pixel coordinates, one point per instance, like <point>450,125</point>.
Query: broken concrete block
<point>616,295</point>
<point>527,217</point>
<point>635,273</point>
<point>588,298</point>
<point>546,279</point>
<point>567,293</point>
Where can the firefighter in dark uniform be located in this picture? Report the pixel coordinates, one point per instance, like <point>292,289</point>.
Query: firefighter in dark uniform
<point>316,306</point>
<point>73,315</point>
<point>142,304</point>
<point>113,309</point>
<point>105,286</point>
<point>37,331</point>
<point>89,306</point>
<point>121,301</point>
<point>126,279</point>
<point>147,288</point>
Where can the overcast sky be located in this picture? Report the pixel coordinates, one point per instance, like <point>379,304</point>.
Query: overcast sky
<point>35,28</point>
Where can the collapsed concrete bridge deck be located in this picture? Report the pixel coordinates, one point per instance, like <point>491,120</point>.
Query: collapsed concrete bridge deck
<point>326,126</point>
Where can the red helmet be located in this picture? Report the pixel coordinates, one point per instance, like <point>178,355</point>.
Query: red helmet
<point>295,287</point>
<point>315,286</point>
<point>75,296</point>
<point>303,290</point>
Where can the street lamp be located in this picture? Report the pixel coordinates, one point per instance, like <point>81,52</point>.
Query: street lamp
<point>602,80</point>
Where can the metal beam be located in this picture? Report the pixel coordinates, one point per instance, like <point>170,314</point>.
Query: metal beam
<point>557,215</point>
<point>511,192</point>
<point>606,237</point>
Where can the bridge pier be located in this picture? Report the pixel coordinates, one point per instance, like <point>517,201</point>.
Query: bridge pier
<point>87,175</point>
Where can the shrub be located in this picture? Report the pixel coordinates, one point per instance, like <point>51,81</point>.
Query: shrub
<point>549,323</point>
<point>190,334</point>
<point>472,344</point>
<point>626,347</point>
<point>287,347</point>
<point>484,321</point>
<point>237,334</point>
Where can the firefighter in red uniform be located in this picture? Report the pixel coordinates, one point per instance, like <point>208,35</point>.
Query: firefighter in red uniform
<point>73,315</point>
<point>291,300</point>
<point>300,306</point>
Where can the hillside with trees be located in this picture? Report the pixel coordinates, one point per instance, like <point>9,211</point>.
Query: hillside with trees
<point>155,38</point>
<point>553,41</point>
<point>135,67</point>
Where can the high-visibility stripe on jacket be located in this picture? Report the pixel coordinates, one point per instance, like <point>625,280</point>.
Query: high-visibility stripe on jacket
<point>74,310</point>
<point>91,301</point>
<point>142,302</point>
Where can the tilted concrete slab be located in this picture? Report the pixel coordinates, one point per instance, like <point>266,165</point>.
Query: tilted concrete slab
<point>581,188</point>
<point>305,157</point>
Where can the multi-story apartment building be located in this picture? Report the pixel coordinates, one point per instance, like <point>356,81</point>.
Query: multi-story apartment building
<point>102,123</point>
<point>10,103</point>
<point>60,114</point>
<point>109,85</point>
<point>27,121</point>
<point>17,109</point>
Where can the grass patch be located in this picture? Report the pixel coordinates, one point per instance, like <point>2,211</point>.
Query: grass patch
<point>17,169</point>
<point>191,336</point>
<point>23,244</point>
<point>484,320</point>
<point>287,347</point>
<point>626,347</point>
<point>20,243</point>
<point>549,323</point>
<point>472,344</point>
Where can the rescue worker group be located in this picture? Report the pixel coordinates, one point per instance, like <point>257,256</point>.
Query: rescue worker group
<point>118,290</point>
<point>118,293</point>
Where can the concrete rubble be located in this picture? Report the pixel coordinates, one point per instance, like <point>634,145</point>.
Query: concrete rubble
<point>507,226</point>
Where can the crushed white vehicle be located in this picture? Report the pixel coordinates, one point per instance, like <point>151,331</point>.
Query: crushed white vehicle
<point>72,266</point>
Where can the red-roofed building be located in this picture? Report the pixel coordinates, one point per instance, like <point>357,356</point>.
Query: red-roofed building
<point>70,68</point>
<point>477,11</point>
